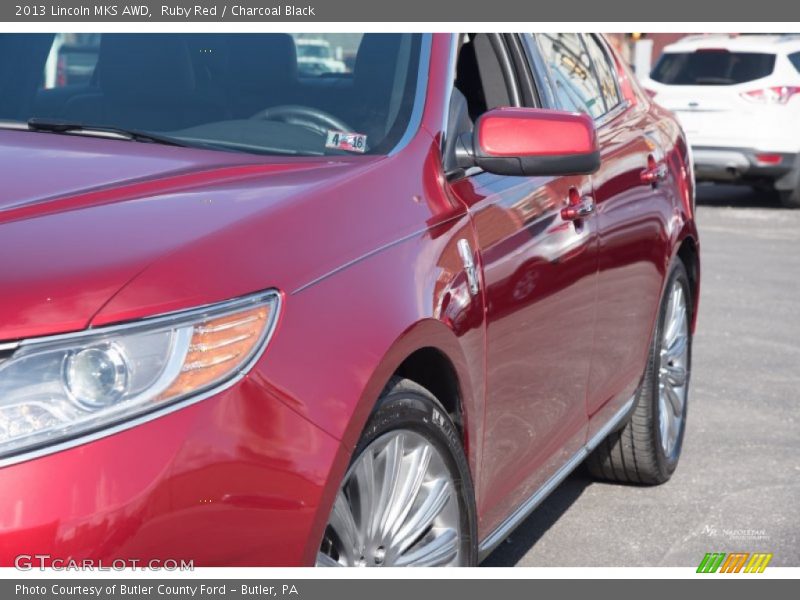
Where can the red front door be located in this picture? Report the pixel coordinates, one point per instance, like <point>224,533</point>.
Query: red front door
<point>539,272</point>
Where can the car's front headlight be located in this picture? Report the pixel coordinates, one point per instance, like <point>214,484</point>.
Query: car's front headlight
<point>62,387</point>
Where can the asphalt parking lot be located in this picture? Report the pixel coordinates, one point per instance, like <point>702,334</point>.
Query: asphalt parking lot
<point>737,487</point>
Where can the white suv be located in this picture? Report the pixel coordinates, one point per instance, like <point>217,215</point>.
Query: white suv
<point>738,98</point>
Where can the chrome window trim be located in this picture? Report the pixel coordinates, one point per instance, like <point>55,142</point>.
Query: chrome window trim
<point>448,95</point>
<point>420,94</point>
<point>500,46</point>
<point>180,403</point>
<point>609,116</point>
<point>523,511</point>
<point>539,70</point>
<point>601,43</point>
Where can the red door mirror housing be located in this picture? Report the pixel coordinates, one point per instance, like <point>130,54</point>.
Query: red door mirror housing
<point>534,141</point>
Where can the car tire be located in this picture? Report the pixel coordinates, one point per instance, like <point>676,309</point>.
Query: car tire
<point>641,452</point>
<point>790,198</point>
<point>409,442</point>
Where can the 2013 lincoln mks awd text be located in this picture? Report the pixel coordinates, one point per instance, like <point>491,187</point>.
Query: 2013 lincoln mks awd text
<point>365,315</point>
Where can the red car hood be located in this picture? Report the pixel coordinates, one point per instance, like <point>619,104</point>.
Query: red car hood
<point>38,166</point>
<point>81,217</point>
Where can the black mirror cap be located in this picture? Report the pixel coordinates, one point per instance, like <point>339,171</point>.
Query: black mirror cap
<point>529,166</point>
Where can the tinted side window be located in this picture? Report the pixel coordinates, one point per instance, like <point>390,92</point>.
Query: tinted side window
<point>795,58</point>
<point>712,67</point>
<point>575,85</point>
<point>606,75</point>
<point>479,76</point>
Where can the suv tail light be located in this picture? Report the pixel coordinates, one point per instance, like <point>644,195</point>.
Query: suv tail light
<point>772,95</point>
<point>769,159</point>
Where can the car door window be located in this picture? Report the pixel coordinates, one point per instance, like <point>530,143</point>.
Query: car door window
<point>481,84</point>
<point>605,73</point>
<point>480,75</point>
<point>576,86</point>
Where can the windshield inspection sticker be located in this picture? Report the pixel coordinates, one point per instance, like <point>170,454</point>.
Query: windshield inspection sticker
<point>344,140</point>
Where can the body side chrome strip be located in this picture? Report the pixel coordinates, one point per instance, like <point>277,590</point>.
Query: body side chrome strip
<point>526,508</point>
<point>612,424</point>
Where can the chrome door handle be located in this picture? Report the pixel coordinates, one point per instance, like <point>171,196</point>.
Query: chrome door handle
<point>654,174</point>
<point>582,209</point>
<point>465,252</point>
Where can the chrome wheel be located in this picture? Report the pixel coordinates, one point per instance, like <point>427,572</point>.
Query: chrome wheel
<point>673,372</point>
<point>397,506</point>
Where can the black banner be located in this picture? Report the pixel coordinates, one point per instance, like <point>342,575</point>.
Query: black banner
<point>385,589</point>
<point>407,10</point>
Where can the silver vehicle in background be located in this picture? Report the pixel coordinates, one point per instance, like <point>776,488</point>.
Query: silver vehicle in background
<point>316,56</point>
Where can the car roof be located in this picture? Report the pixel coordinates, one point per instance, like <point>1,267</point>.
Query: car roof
<point>779,43</point>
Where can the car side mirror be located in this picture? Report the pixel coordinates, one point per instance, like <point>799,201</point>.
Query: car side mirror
<point>531,141</point>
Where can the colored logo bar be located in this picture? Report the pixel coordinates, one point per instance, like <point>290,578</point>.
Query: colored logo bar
<point>736,562</point>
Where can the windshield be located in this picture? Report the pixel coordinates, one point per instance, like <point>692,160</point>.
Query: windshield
<point>712,67</point>
<point>313,51</point>
<point>242,92</point>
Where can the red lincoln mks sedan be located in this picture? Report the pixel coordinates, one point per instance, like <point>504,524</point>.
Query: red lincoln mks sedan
<point>368,312</point>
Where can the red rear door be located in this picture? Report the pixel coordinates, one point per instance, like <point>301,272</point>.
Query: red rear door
<point>632,209</point>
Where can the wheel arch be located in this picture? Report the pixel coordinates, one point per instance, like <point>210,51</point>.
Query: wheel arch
<point>689,254</point>
<point>432,369</point>
<point>418,353</point>
<point>430,354</point>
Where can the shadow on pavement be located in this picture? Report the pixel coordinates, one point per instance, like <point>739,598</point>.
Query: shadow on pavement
<point>738,196</point>
<point>522,539</point>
